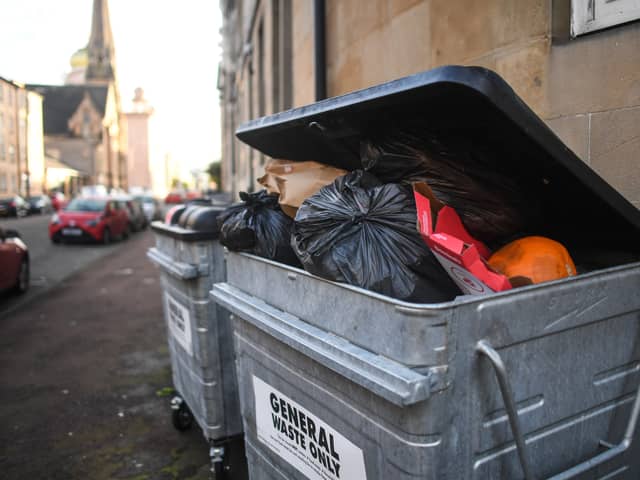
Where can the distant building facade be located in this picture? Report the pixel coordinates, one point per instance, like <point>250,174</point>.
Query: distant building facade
<point>138,152</point>
<point>21,147</point>
<point>82,119</point>
<point>586,87</point>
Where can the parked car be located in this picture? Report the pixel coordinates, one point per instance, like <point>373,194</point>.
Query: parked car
<point>14,259</point>
<point>90,219</point>
<point>40,204</point>
<point>58,200</point>
<point>15,206</point>
<point>137,219</point>
<point>174,197</point>
<point>150,207</point>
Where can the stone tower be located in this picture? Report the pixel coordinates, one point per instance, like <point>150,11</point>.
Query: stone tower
<point>100,50</point>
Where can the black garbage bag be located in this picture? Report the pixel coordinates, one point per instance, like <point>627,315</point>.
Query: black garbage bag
<point>257,225</point>
<point>359,231</point>
<point>491,205</point>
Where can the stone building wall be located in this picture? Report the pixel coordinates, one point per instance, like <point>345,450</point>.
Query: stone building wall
<point>587,88</point>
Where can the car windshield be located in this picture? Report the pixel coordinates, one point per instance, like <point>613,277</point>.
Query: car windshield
<point>145,199</point>
<point>86,205</point>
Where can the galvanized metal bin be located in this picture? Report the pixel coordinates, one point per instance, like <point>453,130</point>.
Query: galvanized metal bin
<point>337,382</point>
<point>199,334</point>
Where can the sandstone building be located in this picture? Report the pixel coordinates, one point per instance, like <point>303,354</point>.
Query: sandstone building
<point>82,120</point>
<point>22,166</point>
<point>579,70</point>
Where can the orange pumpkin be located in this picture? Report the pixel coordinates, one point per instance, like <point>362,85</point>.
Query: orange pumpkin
<point>533,260</point>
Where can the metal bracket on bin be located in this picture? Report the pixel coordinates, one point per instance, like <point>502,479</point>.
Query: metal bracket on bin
<point>484,348</point>
<point>382,376</point>
<point>183,271</point>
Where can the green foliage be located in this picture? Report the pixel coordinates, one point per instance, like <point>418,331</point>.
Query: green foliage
<point>214,170</point>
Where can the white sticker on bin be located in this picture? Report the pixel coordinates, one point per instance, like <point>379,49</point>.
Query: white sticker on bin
<point>303,440</point>
<point>179,323</point>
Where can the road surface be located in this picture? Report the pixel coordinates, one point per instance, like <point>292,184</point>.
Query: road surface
<point>50,264</point>
<point>83,370</point>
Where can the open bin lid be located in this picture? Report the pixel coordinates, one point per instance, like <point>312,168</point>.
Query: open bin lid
<point>578,207</point>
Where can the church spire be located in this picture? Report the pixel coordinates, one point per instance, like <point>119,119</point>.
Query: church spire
<point>101,66</point>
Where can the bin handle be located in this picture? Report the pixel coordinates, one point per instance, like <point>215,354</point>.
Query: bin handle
<point>183,271</point>
<point>483,347</point>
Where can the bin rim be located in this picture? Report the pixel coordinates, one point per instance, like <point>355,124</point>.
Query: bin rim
<point>423,308</point>
<point>180,233</point>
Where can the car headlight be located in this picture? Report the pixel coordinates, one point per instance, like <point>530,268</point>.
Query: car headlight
<point>55,218</point>
<point>92,223</point>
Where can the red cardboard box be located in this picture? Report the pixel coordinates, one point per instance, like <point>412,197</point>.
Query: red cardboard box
<point>461,255</point>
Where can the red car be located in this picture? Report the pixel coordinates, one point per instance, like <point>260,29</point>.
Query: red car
<point>173,198</point>
<point>57,200</point>
<point>14,262</point>
<point>90,218</point>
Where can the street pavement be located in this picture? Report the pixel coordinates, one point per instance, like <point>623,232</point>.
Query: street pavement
<point>84,371</point>
<point>50,263</point>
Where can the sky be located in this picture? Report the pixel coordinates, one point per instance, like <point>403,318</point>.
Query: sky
<point>170,49</point>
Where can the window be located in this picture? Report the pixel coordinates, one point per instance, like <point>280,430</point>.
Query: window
<point>12,154</point>
<point>3,182</point>
<point>86,205</point>
<point>591,15</point>
<point>14,183</point>
<point>2,156</point>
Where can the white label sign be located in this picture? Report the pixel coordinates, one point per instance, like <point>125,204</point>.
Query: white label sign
<point>302,439</point>
<point>179,323</point>
<point>467,282</point>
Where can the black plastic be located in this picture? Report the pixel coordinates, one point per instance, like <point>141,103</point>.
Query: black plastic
<point>183,221</point>
<point>257,225</point>
<point>176,214</point>
<point>204,219</point>
<point>362,232</point>
<point>195,223</point>
<point>577,207</point>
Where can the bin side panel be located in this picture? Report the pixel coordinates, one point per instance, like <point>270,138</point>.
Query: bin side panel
<point>396,442</point>
<point>202,361</point>
<point>364,318</point>
<point>572,355</point>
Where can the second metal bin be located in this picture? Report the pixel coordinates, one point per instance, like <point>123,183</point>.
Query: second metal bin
<point>542,381</point>
<point>191,259</point>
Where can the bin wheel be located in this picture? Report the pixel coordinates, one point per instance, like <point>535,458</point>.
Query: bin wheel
<point>182,418</point>
<point>218,470</point>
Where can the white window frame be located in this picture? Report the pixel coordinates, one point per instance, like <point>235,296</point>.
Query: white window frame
<point>591,15</point>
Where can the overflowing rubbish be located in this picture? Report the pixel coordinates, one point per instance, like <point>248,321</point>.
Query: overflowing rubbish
<point>294,182</point>
<point>461,256</point>
<point>533,260</point>
<point>362,232</point>
<point>374,233</point>
<point>257,225</point>
<point>490,205</point>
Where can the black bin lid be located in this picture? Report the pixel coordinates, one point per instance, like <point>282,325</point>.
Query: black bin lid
<point>196,223</point>
<point>578,206</point>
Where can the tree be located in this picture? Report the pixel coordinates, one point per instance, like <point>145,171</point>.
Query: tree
<point>214,171</point>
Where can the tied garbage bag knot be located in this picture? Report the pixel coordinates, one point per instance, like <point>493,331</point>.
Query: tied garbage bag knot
<point>357,217</point>
<point>362,232</point>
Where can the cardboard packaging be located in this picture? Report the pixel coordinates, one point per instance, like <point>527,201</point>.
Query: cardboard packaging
<point>297,181</point>
<point>462,256</point>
